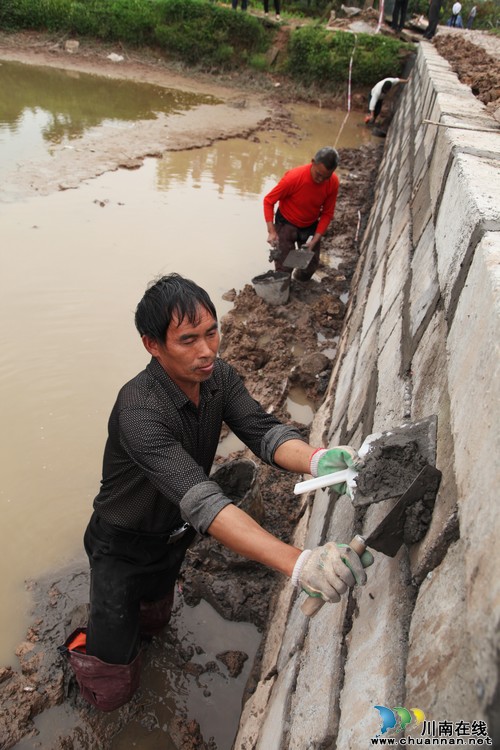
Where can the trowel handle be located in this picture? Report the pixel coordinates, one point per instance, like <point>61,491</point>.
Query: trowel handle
<point>358,544</point>
<point>313,604</point>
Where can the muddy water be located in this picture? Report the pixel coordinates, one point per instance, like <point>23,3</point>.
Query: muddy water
<point>74,264</point>
<point>41,107</point>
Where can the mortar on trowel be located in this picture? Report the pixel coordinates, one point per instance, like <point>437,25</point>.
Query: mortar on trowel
<point>397,467</point>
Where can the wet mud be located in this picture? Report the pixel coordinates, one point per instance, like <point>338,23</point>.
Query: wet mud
<point>473,65</point>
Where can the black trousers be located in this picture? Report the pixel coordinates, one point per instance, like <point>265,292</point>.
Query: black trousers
<point>127,568</point>
<point>434,10</point>
<point>288,235</point>
<point>399,14</point>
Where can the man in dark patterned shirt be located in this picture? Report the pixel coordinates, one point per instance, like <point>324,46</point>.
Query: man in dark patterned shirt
<point>156,492</point>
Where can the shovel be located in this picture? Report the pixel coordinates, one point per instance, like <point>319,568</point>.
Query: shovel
<point>388,536</point>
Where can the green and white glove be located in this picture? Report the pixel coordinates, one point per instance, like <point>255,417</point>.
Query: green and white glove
<point>328,460</point>
<point>326,572</point>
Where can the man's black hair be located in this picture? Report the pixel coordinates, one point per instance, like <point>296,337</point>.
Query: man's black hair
<point>327,156</point>
<point>386,86</point>
<point>169,295</point>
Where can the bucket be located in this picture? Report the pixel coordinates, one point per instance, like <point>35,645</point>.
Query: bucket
<point>238,480</point>
<point>273,287</point>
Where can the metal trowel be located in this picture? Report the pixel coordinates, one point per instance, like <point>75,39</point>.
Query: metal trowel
<point>388,536</point>
<point>299,257</point>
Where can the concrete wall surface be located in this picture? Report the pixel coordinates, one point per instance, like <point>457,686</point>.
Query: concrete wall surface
<point>421,338</point>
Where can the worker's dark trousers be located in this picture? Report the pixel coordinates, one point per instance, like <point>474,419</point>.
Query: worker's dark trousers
<point>132,584</point>
<point>399,14</point>
<point>434,10</point>
<point>288,235</point>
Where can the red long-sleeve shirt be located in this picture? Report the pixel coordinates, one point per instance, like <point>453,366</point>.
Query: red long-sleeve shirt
<point>301,200</point>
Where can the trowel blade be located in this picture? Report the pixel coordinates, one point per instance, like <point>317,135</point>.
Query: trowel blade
<point>298,258</point>
<point>389,534</point>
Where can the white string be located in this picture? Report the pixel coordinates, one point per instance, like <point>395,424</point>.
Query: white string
<point>349,88</point>
<point>380,16</point>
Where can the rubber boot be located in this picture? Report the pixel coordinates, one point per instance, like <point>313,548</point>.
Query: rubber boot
<point>154,616</point>
<point>105,686</point>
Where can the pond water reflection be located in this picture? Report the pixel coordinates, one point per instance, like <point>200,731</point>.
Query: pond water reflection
<point>67,102</point>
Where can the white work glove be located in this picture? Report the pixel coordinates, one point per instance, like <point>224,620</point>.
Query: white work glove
<point>326,572</point>
<point>328,460</point>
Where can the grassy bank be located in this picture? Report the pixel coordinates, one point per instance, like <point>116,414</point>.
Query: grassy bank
<point>213,37</point>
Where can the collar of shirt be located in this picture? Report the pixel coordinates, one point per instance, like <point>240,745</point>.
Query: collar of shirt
<point>207,389</point>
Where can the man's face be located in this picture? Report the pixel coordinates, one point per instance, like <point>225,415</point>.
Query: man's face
<point>320,173</point>
<point>189,351</point>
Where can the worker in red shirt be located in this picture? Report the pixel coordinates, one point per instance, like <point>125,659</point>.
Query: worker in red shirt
<point>306,199</point>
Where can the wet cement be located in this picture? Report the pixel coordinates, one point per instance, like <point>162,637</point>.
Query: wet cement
<point>394,461</point>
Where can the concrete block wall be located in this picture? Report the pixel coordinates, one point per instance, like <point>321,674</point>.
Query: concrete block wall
<point>421,337</point>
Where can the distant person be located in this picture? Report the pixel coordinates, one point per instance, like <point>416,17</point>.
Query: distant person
<point>399,14</point>
<point>156,493</point>
<point>434,11</point>
<point>244,4</point>
<point>455,19</point>
<point>306,198</point>
<point>377,96</point>
<point>471,17</point>
<point>276,8</point>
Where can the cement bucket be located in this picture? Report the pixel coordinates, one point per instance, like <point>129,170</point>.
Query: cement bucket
<point>238,480</point>
<point>273,287</point>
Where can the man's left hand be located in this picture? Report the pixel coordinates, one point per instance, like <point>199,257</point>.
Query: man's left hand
<point>328,461</point>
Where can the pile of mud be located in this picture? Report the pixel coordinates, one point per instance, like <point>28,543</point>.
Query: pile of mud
<point>473,66</point>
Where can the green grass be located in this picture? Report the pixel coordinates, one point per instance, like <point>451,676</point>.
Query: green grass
<point>211,36</point>
<point>318,56</point>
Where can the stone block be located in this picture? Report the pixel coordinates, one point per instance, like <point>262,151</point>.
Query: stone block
<point>424,288</point>
<point>366,363</point>
<point>284,602</point>
<point>397,272</point>
<point>277,629</point>
<point>474,374</point>
<point>314,711</point>
<point>401,221</point>
<point>275,722</point>
<point>374,300</point>
<point>293,637</point>
<point>390,402</point>
<point>314,714</point>
<point>463,104</point>
<point>472,198</point>
<point>430,396</point>
<point>375,665</point>
<point>421,208</point>
<point>404,178</point>
<point>345,380</point>
<point>252,715</point>
<point>420,165</point>
<point>383,237</point>
<point>439,676</point>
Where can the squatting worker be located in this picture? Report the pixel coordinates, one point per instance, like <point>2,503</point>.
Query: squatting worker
<point>156,491</point>
<point>306,199</point>
<point>377,95</point>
